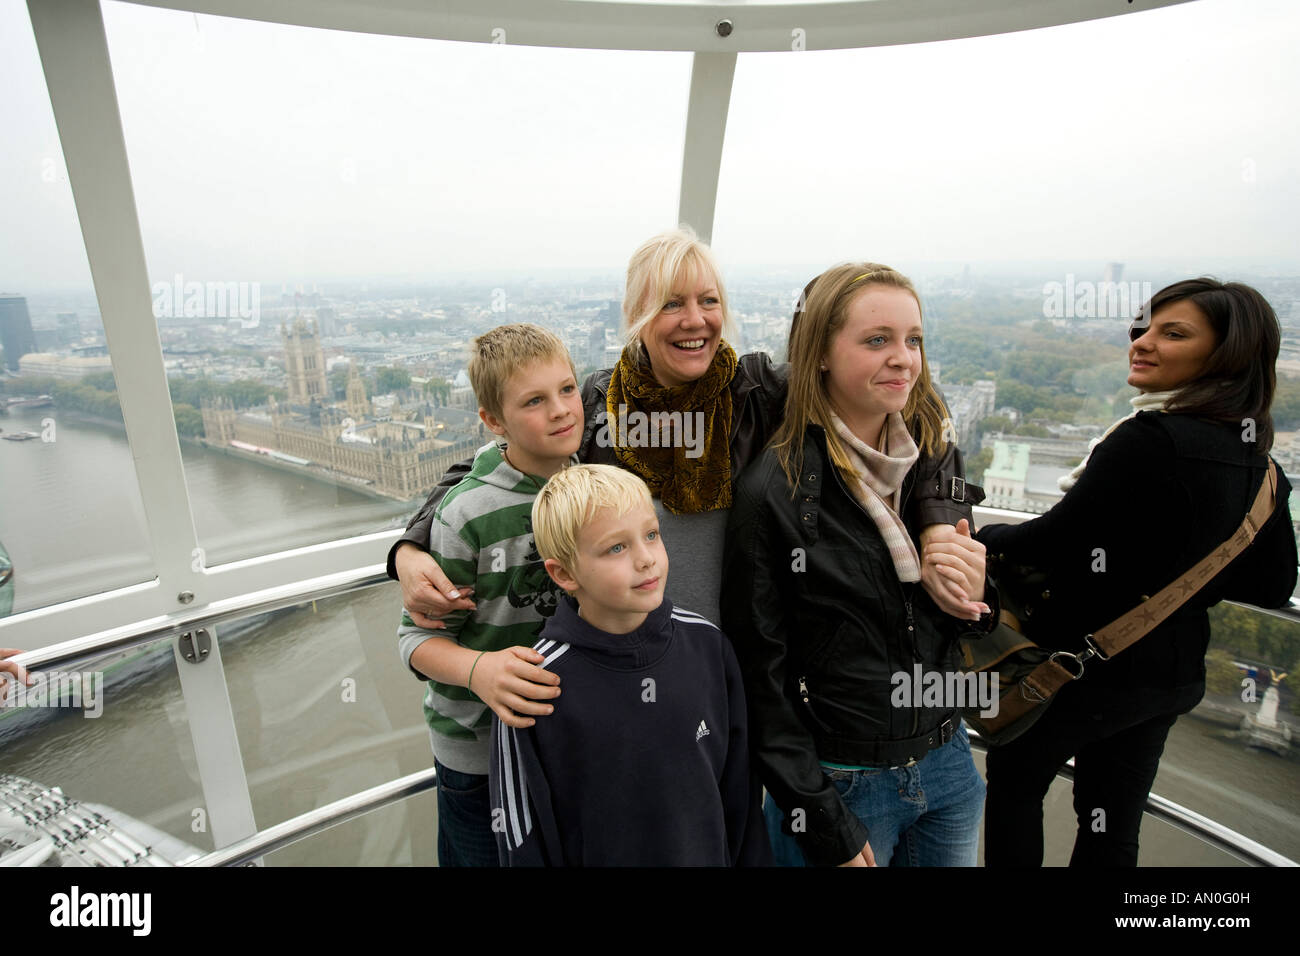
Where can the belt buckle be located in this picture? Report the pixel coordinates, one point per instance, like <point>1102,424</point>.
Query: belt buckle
<point>946,731</point>
<point>958,490</point>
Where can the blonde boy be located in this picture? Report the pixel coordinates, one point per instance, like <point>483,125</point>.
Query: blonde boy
<point>646,764</point>
<point>482,537</point>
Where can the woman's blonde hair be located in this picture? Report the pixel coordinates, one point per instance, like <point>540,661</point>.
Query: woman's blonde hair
<point>825,309</point>
<point>661,263</point>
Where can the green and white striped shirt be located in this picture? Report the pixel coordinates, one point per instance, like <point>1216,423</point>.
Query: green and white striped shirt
<point>482,535</point>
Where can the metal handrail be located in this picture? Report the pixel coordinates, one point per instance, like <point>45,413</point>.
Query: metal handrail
<point>92,646</point>
<point>322,818</point>
<point>89,647</point>
<point>340,811</point>
<point>1189,821</point>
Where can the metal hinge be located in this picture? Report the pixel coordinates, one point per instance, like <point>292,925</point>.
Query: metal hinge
<point>196,645</point>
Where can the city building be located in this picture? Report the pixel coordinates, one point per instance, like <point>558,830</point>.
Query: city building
<point>304,362</point>
<point>51,365</point>
<point>400,459</point>
<point>1013,482</point>
<point>969,405</point>
<point>396,452</point>
<point>16,335</point>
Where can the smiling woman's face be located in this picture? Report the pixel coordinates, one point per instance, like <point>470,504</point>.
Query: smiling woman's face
<point>1173,350</point>
<point>683,338</point>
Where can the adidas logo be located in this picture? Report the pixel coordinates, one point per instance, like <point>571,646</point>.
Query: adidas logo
<point>703,731</point>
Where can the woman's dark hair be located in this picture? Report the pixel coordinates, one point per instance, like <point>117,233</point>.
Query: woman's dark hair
<point>1239,378</point>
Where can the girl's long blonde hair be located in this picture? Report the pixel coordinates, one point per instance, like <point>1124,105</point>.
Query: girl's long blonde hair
<point>825,310</point>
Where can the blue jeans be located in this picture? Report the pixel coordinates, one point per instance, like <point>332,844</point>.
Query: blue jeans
<point>465,836</point>
<point>927,814</point>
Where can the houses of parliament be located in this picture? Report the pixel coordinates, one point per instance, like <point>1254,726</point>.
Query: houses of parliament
<point>400,453</point>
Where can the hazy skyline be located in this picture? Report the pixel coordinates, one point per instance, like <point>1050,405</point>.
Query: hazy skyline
<point>270,153</point>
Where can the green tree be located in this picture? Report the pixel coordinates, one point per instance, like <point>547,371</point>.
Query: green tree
<point>103,381</point>
<point>338,383</point>
<point>439,389</point>
<point>1286,405</point>
<point>1032,431</point>
<point>391,380</point>
<point>992,425</point>
<point>978,463</point>
<point>189,420</point>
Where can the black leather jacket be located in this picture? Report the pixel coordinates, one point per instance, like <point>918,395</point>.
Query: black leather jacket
<point>757,406</point>
<point>821,623</point>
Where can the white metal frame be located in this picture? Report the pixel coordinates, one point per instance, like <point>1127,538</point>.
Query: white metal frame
<point>706,128</point>
<point>75,60</point>
<point>74,56</point>
<point>758,27</point>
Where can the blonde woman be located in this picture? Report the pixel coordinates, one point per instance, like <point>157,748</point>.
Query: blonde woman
<point>821,597</point>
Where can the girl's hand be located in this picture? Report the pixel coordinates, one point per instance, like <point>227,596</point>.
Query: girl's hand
<point>426,593</point>
<point>952,570</point>
<point>865,858</point>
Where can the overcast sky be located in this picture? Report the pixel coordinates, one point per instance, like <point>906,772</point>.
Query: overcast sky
<point>273,153</point>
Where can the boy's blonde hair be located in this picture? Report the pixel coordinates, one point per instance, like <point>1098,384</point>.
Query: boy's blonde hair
<point>661,262</point>
<point>572,496</point>
<point>499,353</point>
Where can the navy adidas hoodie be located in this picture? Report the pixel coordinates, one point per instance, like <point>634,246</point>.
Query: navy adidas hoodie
<point>645,760</point>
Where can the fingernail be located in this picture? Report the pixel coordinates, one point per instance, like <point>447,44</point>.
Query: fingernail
<point>453,594</point>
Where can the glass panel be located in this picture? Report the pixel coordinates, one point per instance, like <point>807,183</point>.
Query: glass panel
<point>380,838</point>
<point>1232,757</point>
<point>114,738</point>
<point>1038,197</point>
<point>324,709</point>
<point>66,467</point>
<point>329,225</point>
<point>1035,215</point>
<point>1158,138</point>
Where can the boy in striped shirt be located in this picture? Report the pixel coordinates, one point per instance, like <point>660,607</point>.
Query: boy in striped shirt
<point>480,663</point>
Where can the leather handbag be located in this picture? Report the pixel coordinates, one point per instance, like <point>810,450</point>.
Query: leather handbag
<point>1028,676</point>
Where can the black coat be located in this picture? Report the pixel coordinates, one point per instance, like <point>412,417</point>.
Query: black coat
<point>1157,495</point>
<point>821,624</point>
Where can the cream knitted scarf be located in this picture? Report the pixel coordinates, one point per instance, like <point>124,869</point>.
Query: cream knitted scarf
<point>878,485</point>
<point>1141,402</point>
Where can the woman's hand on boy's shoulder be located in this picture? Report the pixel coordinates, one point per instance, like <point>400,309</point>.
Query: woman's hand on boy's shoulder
<point>427,594</point>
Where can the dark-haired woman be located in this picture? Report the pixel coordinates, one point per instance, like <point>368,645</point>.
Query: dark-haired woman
<point>1157,492</point>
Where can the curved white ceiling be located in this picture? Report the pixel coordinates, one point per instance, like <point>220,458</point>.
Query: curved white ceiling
<point>685,26</point>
